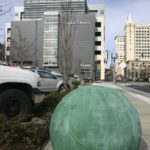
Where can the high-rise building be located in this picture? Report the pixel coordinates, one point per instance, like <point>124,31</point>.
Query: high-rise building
<point>36,8</point>
<point>120,54</point>
<point>120,48</point>
<point>7,40</point>
<point>87,42</point>
<point>98,13</point>
<point>137,38</point>
<point>137,49</point>
<point>18,13</point>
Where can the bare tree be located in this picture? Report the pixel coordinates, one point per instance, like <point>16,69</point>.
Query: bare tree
<point>21,47</point>
<point>5,6</point>
<point>66,30</point>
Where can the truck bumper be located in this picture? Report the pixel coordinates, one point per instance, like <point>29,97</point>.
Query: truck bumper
<point>38,96</point>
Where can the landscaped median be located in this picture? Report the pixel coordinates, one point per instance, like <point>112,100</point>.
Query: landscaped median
<point>31,132</point>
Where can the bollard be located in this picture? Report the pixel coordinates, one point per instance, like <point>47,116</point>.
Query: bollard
<point>95,118</point>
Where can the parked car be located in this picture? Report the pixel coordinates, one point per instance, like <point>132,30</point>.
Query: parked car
<point>57,74</point>
<point>48,82</point>
<point>4,63</point>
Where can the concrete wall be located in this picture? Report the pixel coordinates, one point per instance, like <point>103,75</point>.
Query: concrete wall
<point>83,45</point>
<point>33,32</point>
<point>84,42</point>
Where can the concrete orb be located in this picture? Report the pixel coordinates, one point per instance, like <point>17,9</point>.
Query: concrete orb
<point>95,118</point>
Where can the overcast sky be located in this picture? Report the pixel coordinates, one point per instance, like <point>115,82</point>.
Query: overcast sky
<point>116,12</point>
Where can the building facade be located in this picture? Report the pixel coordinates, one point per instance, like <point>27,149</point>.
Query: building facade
<point>18,13</point>
<point>36,8</point>
<point>87,41</point>
<point>50,45</point>
<point>120,48</point>
<point>120,52</point>
<point>30,34</point>
<point>137,50</point>
<point>7,40</point>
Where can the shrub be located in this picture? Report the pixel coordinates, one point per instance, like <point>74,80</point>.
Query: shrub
<point>15,135</point>
<point>49,103</point>
<point>76,83</point>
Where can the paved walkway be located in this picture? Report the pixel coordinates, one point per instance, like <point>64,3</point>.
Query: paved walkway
<point>144,111</point>
<point>142,105</point>
<point>141,101</point>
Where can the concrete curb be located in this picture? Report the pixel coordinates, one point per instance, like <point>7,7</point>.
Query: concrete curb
<point>48,146</point>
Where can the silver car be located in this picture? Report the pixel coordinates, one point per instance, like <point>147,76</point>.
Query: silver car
<point>49,82</point>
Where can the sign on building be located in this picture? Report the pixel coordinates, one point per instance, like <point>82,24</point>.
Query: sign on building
<point>122,65</point>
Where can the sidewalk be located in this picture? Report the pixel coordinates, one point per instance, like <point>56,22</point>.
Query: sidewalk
<point>143,107</point>
<point>142,104</point>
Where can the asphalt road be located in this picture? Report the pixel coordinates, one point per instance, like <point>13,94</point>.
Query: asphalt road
<point>141,87</point>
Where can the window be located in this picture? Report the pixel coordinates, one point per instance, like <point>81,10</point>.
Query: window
<point>97,52</point>
<point>97,43</point>
<point>97,33</point>
<point>85,72</point>
<point>16,14</point>
<point>98,62</point>
<point>102,12</point>
<point>44,74</point>
<point>98,24</point>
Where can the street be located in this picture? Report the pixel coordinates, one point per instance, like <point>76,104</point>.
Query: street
<point>141,86</point>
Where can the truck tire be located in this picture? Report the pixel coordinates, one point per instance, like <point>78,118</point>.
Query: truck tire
<point>14,102</point>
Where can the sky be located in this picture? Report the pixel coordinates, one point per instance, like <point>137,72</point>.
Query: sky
<point>116,12</point>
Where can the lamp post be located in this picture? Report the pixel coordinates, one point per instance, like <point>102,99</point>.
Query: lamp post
<point>35,64</point>
<point>145,74</point>
<point>133,72</point>
<point>114,67</point>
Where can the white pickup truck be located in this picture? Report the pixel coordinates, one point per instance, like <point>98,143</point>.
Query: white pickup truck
<point>18,91</point>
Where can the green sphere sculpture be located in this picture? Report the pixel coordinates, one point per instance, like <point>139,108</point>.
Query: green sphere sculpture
<point>95,118</point>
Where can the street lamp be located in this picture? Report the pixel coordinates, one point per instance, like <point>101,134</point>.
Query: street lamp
<point>133,71</point>
<point>114,67</point>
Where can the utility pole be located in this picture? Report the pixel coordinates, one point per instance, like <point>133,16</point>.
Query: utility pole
<point>35,50</point>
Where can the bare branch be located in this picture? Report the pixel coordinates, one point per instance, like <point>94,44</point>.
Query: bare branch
<point>21,47</point>
<point>66,30</point>
<point>5,7</point>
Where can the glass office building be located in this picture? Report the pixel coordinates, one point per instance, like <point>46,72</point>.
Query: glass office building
<point>35,8</point>
<point>49,11</point>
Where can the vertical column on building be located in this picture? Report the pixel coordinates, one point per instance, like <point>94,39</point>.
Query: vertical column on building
<point>50,49</point>
<point>99,48</point>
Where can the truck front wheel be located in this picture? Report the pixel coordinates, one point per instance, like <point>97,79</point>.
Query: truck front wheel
<point>14,102</point>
